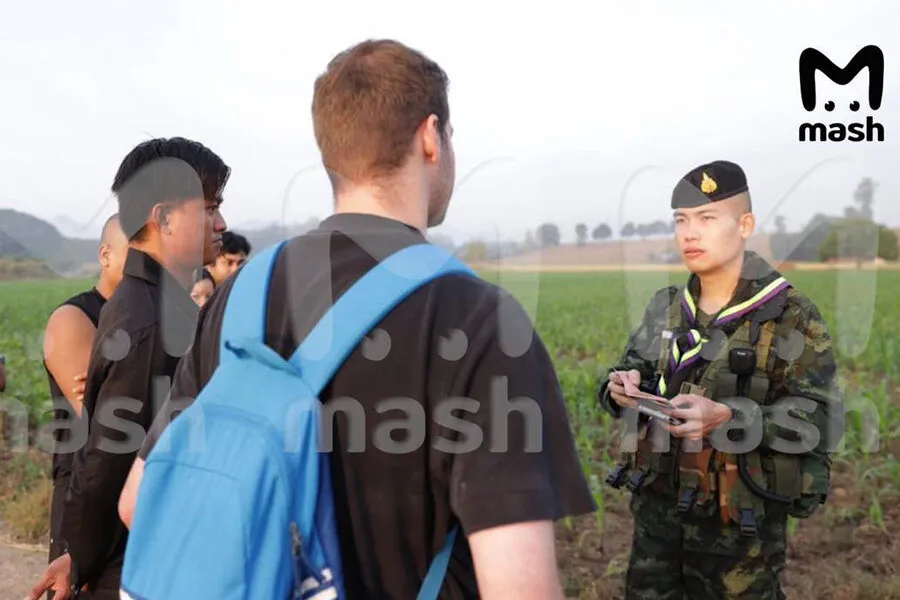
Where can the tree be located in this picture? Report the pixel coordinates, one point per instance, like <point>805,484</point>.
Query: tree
<point>548,235</point>
<point>473,252</point>
<point>659,228</point>
<point>780,226</point>
<point>581,233</point>
<point>643,230</point>
<point>628,230</point>
<point>444,241</point>
<point>780,241</point>
<point>601,232</point>
<point>530,244</point>
<point>805,245</point>
<point>888,245</point>
<point>859,239</point>
<point>863,198</point>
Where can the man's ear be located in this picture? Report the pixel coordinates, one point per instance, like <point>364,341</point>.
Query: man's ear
<point>103,255</point>
<point>431,139</point>
<point>747,225</point>
<point>159,216</point>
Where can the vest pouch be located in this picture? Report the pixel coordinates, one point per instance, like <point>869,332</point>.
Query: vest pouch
<point>815,479</point>
<point>649,469</point>
<point>803,478</point>
<point>697,481</point>
<point>738,504</point>
<point>783,473</point>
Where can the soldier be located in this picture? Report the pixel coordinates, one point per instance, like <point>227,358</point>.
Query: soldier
<point>746,363</point>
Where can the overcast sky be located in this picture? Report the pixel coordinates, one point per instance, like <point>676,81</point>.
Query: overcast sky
<point>565,100</point>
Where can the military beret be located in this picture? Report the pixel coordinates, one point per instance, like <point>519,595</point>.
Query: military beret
<point>709,183</point>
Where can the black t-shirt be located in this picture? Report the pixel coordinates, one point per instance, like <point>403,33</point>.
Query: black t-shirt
<point>455,337</point>
<point>90,302</point>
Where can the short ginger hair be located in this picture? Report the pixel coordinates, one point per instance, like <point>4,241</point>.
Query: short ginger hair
<point>368,104</point>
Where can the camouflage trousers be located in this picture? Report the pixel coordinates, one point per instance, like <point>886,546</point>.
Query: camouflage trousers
<point>677,556</point>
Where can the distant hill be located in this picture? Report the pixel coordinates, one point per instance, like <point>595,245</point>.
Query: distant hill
<point>10,247</point>
<point>26,236</point>
<point>72,229</point>
<point>24,268</point>
<point>23,236</point>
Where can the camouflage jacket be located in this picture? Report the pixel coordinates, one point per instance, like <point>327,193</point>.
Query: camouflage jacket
<point>804,368</point>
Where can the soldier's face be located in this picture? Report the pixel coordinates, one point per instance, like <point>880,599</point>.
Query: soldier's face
<point>711,236</point>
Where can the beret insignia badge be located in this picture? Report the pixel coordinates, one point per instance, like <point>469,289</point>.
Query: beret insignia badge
<point>708,185</point>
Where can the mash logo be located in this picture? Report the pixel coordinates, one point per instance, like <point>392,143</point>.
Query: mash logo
<point>812,61</point>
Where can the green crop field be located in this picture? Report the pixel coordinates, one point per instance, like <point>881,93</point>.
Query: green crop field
<point>584,320</point>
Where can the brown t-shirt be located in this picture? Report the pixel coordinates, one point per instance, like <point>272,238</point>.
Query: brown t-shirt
<point>456,337</point>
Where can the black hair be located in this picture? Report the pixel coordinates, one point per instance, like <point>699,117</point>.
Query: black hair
<point>234,243</point>
<point>181,169</point>
<point>201,274</point>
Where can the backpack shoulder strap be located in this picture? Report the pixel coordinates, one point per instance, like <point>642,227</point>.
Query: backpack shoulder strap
<point>353,315</point>
<point>365,304</point>
<point>245,309</point>
<point>431,587</point>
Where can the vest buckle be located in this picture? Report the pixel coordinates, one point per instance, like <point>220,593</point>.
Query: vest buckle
<point>686,499</point>
<point>617,477</point>
<point>748,522</point>
<point>636,480</point>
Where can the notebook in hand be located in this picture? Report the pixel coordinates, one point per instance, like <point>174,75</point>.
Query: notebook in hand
<point>649,404</point>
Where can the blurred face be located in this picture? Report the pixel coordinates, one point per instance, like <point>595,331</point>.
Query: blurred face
<point>713,235</point>
<point>192,232</point>
<point>201,291</point>
<point>442,165</point>
<point>226,265</point>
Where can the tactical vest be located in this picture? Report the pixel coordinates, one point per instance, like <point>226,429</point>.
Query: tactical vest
<point>741,488</point>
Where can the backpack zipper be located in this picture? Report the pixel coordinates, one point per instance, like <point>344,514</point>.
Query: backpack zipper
<point>301,562</point>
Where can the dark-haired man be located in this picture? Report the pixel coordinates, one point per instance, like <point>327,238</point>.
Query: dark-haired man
<point>68,338</point>
<point>382,123</point>
<point>232,255</point>
<point>747,363</point>
<point>169,192</point>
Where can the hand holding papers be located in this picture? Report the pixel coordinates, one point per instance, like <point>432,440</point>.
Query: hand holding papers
<point>649,404</point>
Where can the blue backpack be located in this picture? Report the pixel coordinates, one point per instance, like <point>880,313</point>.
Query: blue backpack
<point>235,501</point>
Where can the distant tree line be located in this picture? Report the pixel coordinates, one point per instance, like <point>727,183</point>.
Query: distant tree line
<point>548,234</point>
<point>855,236</point>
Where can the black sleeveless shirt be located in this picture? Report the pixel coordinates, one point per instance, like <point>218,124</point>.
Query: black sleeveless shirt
<point>90,302</point>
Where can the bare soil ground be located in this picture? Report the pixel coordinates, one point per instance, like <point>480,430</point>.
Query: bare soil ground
<point>20,566</point>
<point>844,552</point>
<point>837,554</point>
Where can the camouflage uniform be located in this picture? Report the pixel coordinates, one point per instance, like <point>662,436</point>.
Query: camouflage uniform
<point>698,553</point>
